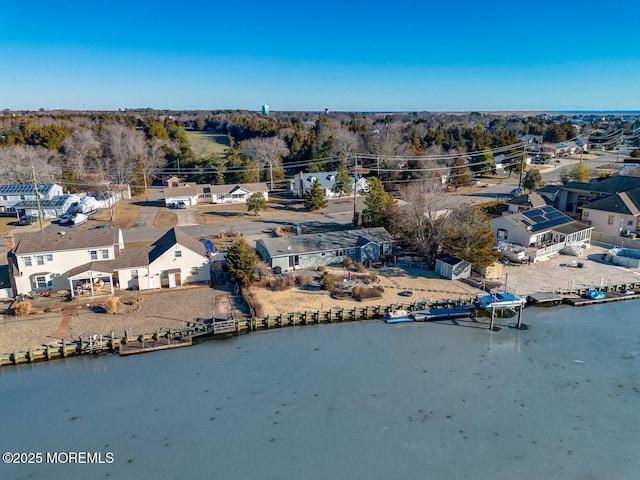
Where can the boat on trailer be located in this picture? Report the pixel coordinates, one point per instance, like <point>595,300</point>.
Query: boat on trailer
<point>500,300</point>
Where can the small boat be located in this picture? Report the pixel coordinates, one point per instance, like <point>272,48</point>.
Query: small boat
<point>399,316</point>
<point>500,300</point>
<point>594,295</point>
<point>442,313</point>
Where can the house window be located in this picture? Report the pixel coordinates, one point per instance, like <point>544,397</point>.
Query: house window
<point>178,253</point>
<point>352,250</point>
<point>93,254</point>
<point>105,254</point>
<point>194,271</point>
<point>49,257</point>
<point>502,234</point>
<point>610,221</point>
<point>22,197</point>
<point>629,222</point>
<point>41,282</point>
<point>585,214</point>
<point>4,197</point>
<point>134,273</point>
<point>27,261</point>
<point>40,259</point>
<point>340,253</point>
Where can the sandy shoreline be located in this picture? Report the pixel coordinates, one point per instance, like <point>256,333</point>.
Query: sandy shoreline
<point>173,309</point>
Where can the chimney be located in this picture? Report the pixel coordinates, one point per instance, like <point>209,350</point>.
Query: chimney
<point>9,242</point>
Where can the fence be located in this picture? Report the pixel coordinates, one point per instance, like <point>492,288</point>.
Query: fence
<point>614,240</point>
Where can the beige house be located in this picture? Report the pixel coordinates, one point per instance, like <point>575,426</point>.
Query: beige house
<point>186,194</point>
<point>91,262</point>
<point>616,214</point>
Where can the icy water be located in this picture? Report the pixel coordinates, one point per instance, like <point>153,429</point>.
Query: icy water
<point>345,401</point>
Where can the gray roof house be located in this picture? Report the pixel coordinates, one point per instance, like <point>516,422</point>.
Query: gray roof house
<point>526,202</point>
<point>615,214</point>
<point>12,194</point>
<point>543,232</point>
<point>310,251</point>
<point>574,195</point>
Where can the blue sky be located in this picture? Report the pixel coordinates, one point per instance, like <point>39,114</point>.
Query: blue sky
<point>300,55</point>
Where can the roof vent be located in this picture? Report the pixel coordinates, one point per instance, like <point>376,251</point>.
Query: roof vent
<point>62,234</point>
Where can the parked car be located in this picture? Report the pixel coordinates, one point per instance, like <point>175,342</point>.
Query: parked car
<point>516,191</point>
<point>65,219</point>
<point>79,219</point>
<point>181,205</point>
<point>101,226</point>
<point>27,219</point>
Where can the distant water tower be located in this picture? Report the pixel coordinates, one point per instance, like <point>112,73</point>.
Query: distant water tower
<point>265,109</point>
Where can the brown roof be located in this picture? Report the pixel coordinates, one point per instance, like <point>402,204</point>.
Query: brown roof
<point>71,240</point>
<point>172,237</point>
<point>126,258</point>
<point>181,192</point>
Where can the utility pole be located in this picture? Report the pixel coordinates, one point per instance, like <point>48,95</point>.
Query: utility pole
<point>522,164</point>
<point>620,145</point>
<point>35,187</point>
<point>355,190</point>
<point>271,174</point>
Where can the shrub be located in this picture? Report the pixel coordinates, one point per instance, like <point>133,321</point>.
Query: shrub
<point>372,277</point>
<point>360,268</point>
<point>347,263</point>
<point>322,268</point>
<point>304,280</point>
<point>22,308</point>
<point>255,305</point>
<point>277,231</point>
<point>327,282</point>
<point>361,292</point>
<point>111,305</point>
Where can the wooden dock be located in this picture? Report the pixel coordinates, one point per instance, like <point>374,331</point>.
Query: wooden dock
<point>146,346</point>
<point>611,297</point>
<point>542,298</point>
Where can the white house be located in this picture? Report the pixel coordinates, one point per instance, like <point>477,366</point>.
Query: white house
<point>186,194</point>
<point>43,261</point>
<point>327,180</point>
<point>616,214</point>
<point>95,261</point>
<point>10,195</point>
<point>238,193</point>
<point>543,231</point>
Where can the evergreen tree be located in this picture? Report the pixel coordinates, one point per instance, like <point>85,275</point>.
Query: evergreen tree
<point>532,180</point>
<point>256,202</point>
<point>377,205</point>
<point>468,236</point>
<point>138,181</point>
<point>342,185</point>
<point>460,176</point>
<point>314,197</point>
<point>580,173</point>
<point>241,261</point>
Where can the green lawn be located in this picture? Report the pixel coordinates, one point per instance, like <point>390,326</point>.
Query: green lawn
<point>206,143</point>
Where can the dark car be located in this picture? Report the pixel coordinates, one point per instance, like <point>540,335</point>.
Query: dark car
<point>27,219</point>
<point>102,226</point>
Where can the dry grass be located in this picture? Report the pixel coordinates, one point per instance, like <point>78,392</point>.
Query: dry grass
<point>111,305</point>
<point>22,308</point>
<point>165,219</point>
<point>125,216</point>
<point>362,292</point>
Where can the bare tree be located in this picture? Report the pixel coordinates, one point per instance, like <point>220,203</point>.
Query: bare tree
<point>122,146</point>
<point>16,162</point>
<point>421,216</point>
<point>266,152</point>
<point>79,150</point>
